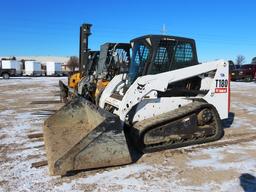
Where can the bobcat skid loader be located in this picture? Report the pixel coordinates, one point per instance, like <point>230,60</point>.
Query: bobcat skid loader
<point>166,100</point>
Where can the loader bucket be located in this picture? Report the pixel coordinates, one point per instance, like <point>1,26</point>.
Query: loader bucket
<point>82,136</point>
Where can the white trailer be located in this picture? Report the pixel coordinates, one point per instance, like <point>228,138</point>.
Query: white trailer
<point>12,64</point>
<point>32,68</point>
<point>53,69</point>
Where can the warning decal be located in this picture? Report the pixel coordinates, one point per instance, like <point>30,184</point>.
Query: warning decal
<point>221,90</point>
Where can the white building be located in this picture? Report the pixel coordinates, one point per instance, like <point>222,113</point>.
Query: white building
<point>12,64</point>
<point>53,69</point>
<point>32,68</point>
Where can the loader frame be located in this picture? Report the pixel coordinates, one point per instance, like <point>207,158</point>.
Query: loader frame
<point>149,85</point>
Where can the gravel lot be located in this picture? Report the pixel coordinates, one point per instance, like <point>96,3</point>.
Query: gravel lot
<point>226,165</point>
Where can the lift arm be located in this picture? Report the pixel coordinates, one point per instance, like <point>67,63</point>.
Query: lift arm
<point>145,85</point>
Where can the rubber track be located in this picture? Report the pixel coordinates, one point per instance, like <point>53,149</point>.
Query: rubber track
<point>146,125</point>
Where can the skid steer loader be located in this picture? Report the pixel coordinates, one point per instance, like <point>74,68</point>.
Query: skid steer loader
<point>166,100</point>
<point>96,68</point>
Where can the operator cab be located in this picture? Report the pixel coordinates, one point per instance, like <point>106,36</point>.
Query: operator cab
<point>114,59</point>
<point>93,59</point>
<point>154,54</point>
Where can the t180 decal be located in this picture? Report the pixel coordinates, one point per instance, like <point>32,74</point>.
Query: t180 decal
<point>221,86</point>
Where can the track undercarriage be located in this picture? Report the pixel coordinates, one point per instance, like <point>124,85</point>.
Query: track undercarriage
<point>192,124</point>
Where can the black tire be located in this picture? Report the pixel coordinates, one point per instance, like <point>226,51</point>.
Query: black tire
<point>6,75</point>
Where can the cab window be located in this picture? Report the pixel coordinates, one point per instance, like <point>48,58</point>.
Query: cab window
<point>163,55</point>
<point>183,55</point>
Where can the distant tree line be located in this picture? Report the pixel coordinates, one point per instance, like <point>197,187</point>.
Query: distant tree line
<point>240,60</point>
<point>73,63</point>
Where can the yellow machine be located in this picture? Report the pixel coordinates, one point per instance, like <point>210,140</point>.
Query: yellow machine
<point>101,85</point>
<point>73,80</point>
<point>96,68</point>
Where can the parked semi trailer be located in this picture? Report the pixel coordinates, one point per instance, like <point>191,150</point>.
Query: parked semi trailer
<point>53,69</point>
<point>32,68</point>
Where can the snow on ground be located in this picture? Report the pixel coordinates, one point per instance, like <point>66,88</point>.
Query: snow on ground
<point>224,168</point>
<point>216,158</point>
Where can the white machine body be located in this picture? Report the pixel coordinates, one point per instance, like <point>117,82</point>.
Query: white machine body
<point>143,92</point>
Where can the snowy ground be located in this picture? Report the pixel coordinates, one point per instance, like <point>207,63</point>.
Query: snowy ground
<point>226,165</point>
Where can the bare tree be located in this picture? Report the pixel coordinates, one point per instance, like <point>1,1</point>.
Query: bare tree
<point>254,60</point>
<point>240,59</point>
<point>73,63</point>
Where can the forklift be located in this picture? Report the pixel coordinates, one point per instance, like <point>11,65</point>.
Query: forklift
<point>96,68</point>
